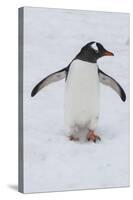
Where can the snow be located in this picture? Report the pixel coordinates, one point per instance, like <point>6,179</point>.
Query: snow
<point>52,37</point>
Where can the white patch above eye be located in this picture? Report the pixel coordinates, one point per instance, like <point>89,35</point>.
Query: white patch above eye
<point>94,46</point>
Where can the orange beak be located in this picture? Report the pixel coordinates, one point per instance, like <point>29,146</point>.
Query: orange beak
<point>108,53</point>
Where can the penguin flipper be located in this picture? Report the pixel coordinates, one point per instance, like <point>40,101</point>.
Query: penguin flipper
<point>109,81</point>
<point>56,76</point>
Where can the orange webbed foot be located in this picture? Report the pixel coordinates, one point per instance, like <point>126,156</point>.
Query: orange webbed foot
<point>91,136</point>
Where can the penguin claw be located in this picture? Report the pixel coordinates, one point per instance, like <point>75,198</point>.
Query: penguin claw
<point>71,137</point>
<point>92,137</point>
<point>97,139</point>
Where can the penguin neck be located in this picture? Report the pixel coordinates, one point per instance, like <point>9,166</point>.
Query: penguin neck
<point>85,56</point>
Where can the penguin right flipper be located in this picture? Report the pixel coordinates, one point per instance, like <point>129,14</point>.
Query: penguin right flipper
<point>109,81</point>
<point>56,76</point>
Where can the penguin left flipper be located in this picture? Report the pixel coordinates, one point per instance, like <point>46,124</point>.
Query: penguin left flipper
<point>56,76</point>
<point>109,81</point>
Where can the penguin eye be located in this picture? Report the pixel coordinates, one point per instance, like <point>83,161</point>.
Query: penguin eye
<point>94,47</point>
<point>96,51</point>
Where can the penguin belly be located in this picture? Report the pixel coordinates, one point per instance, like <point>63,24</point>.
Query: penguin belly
<point>82,95</point>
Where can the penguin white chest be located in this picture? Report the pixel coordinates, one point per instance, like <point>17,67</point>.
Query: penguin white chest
<point>82,95</point>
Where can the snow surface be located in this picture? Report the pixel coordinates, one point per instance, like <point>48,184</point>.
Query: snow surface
<point>52,37</point>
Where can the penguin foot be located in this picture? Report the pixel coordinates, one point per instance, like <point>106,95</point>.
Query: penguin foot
<point>71,137</point>
<point>93,137</point>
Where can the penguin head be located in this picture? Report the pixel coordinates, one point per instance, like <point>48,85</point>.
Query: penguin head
<point>94,50</point>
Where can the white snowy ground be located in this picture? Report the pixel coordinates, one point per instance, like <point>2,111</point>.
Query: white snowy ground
<point>51,161</point>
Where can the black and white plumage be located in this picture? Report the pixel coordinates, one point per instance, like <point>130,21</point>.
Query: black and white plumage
<point>82,77</point>
<point>62,74</point>
<point>111,82</point>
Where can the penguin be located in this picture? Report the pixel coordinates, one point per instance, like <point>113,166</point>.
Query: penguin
<point>82,93</point>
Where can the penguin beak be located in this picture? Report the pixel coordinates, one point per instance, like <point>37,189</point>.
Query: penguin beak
<point>108,53</point>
